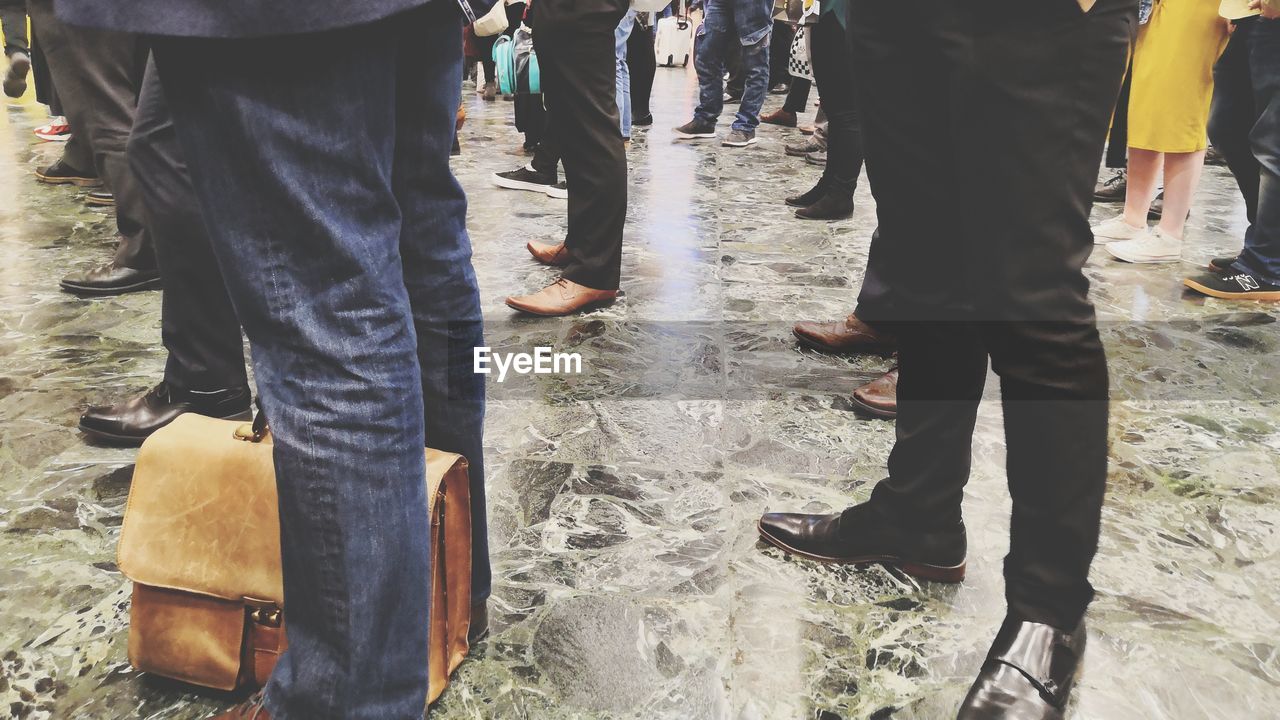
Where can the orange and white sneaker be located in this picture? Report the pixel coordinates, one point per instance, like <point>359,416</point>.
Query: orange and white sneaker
<point>56,131</point>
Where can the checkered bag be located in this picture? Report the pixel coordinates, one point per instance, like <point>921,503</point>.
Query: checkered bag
<point>800,63</point>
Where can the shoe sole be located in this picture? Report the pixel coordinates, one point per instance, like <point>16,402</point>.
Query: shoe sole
<point>53,138</point>
<point>811,161</point>
<point>881,350</point>
<point>752,141</point>
<point>585,308</point>
<point>828,219</point>
<point>83,290</point>
<point>694,136</point>
<point>1142,261</point>
<point>922,571</point>
<point>778,124</point>
<point>521,185</point>
<point>557,193</point>
<point>863,408</point>
<point>77,181</point>
<point>791,153</point>
<point>1268,296</point>
<point>134,441</point>
<point>94,202</point>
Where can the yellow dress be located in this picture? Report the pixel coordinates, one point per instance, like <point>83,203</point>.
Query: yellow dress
<point>1173,75</point>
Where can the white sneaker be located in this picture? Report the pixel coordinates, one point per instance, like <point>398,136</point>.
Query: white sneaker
<point>1154,246</point>
<point>1116,229</point>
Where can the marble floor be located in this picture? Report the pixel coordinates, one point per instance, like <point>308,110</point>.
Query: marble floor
<point>630,583</point>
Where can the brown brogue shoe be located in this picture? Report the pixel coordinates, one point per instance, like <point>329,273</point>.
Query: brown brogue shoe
<point>562,297</point>
<point>850,335</point>
<point>555,255</point>
<point>880,396</point>
<point>251,709</point>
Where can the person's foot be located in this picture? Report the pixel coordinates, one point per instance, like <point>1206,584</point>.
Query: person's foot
<point>879,398</point>
<point>1112,189</point>
<point>525,178</point>
<point>111,279</point>
<point>129,422</point>
<point>562,297</point>
<point>100,198</point>
<point>863,535</point>
<point>780,89</point>
<point>60,173</point>
<point>559,191</point>
<point>804,147</point>
<point>56,130</point>
<point>479,628</point>
<point>1154,246</point>
<point>831,206</point>
<point>850,335</point>
<point>643,120</point>
<point>696,129</point>
<point>731,98</point>
<point>1222,264</point>
<point>1234,286</point>
<point>1213,156</point>
<point>806,199</point>
<point>1028,674</point>
<point>251,709</point>
<point>806,129</point>
<point>490,92</point>
<point>817,158</point>
<point>782,117</point>
<point>554,255</point>
<point>1114,230</point>
<point>1156,210</point>
<point>739,138</point>
<point>15,79</point>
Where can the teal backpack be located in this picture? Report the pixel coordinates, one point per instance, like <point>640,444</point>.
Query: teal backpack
<point>517,64</point>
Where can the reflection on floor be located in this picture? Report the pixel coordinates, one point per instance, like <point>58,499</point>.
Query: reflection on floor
<point>623,501</point>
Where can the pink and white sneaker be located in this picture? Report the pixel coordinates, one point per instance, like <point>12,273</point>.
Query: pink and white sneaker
<point>56,131</point>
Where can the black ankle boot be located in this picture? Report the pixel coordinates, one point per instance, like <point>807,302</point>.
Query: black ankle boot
<point>809,198</point>
<point>134,420</point>
<point>831,206</point>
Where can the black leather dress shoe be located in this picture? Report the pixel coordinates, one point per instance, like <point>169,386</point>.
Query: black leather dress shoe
<point>60,173</point>
<point>1028,673</point>
<point>111,279</point>
<point>479,629</point>
<point>132,421</point>
<point>831,206</point>
<point>861,535</point>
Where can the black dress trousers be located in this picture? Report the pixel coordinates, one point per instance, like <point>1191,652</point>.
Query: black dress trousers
<point>983,126</point>
<point>574,40</point>
<point>198,323</point>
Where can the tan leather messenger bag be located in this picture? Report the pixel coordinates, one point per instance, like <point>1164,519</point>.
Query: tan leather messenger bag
<point>201,543</point>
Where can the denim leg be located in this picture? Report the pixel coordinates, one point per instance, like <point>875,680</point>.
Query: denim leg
<point>292,143</point>
<point>436,253</point>
<point>755,61</point>
<point>712,42</point>
<point>1261,254</point>
<point>620,37</point>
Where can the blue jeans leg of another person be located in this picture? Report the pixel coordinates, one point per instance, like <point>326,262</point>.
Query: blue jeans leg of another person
<point>320,162</point>
<point>712,42</point>
<point>755,59</point>
<point>620,37</point>
<point>1261,254</point>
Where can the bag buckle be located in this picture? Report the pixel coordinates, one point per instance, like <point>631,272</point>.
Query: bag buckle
<point>264,612</point>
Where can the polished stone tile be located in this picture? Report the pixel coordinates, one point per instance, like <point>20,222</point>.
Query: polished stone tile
<point>630,581</point>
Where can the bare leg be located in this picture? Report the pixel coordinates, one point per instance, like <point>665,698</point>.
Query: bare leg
<point>1144,173</point>
<point>1181,176</point>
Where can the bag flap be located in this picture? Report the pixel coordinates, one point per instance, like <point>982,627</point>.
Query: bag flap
<point>203,515</point>
<point>439,465</point>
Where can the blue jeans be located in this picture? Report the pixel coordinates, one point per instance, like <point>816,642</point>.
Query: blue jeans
<point>620,37</point>
<point>733,21</point>
<point>321,162</point>
<point>1245,126</point>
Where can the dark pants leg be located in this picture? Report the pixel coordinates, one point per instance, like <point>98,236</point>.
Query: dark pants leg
<point>959,100</point>
<point>197,322</point>
<point>13,18</point>
<point>833,69</point>
<point>780,53</point>
<point>98,73</point>
<point>797,95</point>
<point>1117,156</point>
<point>324,158</point>
<point>737,73</point>
<point>575,46</point>
<point>643,65</point>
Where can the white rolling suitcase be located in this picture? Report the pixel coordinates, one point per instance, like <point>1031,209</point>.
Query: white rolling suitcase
<point>674,42</point>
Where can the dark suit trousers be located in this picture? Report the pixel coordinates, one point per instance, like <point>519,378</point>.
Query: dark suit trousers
<point>197,321</point>
<point>13,18</point>
<point>575,46</point>
<point>98,73</point>
<point>992,115</point>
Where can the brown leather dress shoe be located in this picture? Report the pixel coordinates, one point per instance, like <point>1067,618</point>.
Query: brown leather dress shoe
<point>850,335</point>
<point>562,297</point>
<point>785,118</point>
<point>555,255</point>
<point>250,709</point>
<point>880,396</point>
